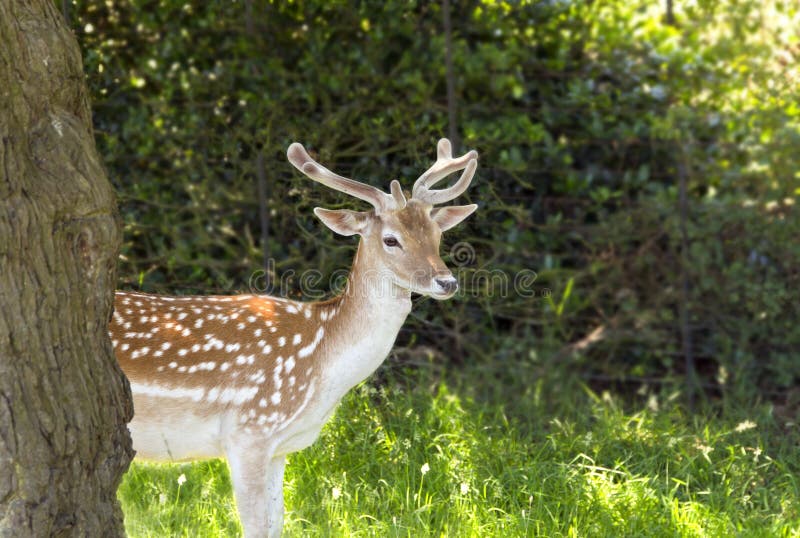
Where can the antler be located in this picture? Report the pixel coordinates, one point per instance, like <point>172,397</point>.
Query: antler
<point>444,166</point>
<point>380,200</point>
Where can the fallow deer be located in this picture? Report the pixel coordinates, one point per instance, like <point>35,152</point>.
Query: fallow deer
<point>254,378</point>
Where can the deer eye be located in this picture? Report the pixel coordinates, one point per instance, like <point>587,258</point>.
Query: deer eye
<point>391,241</point>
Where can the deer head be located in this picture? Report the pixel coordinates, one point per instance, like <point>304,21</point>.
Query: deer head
<point>400,236</point>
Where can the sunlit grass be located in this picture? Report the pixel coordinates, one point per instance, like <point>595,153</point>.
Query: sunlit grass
<point>477,455</point>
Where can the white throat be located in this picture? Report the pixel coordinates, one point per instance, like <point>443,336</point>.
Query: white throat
<point>368,318</point>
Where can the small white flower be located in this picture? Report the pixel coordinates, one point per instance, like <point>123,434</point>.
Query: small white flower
<point>464,488</point>
<point>336,493</point>
<point>425,468</point>
<point>162,498</point>
<point>181,479</point>
<point>746,425</point>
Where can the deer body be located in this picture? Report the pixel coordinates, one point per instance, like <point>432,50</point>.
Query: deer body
<point>254,378</point>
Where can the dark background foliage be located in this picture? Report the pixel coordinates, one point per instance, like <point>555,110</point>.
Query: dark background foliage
<point>591,118</point>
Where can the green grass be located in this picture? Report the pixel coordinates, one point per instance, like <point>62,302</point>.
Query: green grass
<point>483,454</point>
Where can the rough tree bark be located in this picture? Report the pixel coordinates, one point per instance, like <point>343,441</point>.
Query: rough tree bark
<point>64,402</point>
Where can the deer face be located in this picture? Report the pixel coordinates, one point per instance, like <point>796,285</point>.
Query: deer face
<point>400,236</point>
<point>403,244</point>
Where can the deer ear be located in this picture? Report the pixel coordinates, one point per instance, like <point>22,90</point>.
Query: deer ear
<point>342,221</point>
<point>449,216</point>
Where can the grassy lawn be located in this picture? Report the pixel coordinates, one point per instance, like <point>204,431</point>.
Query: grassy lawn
<point>478,453</point>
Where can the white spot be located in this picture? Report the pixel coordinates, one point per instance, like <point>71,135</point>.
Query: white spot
<point>251,319</point>
<point>238,396</point>
<point>232,347</point>
<point>125,346</point>
<point>258,377</point>
<point>183,352</point>
<point>309,349</point>
<point>267,350</point>
<point>173,365</point>
<point>224,366</point>
<point>282,341</point>
<point>186,332</point>
<point>198,323</point>
<point>182,316</point>
<point>297,339</point>
<point>275,398</point>
<point>289,365</point>
<point>262,402</point>
<point>166,345</point>
<point>181,393</point>
<point>257,333</point>
<point>291,309</point>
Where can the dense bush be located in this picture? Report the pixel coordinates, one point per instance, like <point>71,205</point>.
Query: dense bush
<point>586,114</point>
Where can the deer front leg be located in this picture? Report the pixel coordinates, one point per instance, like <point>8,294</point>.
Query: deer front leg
<point>258,488</point>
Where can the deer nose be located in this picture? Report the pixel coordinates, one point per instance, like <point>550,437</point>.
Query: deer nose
<point>448,284</point>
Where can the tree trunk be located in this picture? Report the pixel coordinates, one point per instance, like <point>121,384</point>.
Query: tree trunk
<point>64,402</point>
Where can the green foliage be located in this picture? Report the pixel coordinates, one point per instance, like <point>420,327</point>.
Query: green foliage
<point>584,114</point>
<point>426,456</point>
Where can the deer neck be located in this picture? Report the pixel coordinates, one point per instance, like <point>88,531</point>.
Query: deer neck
<point>365,320</point>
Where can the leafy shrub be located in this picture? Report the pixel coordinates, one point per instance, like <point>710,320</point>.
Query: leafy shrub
<point>584,114</point>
